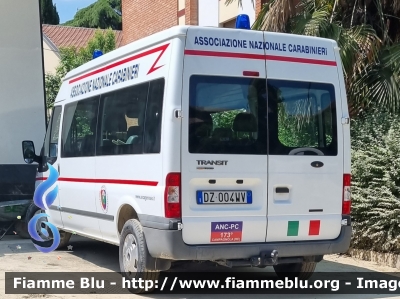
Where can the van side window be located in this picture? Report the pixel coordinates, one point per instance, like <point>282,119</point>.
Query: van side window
<point>304,117</point>
<point>50,146</point>
<point>79,128</point>
<point>121,122</point>
<point>152,133</point>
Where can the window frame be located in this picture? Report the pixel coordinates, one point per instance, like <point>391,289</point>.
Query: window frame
<point>158,146</point>
<point>100,114</point>
<point>45,151</point>
<point>99,152</point>
<point>95,98</point>
<point>143,150</point>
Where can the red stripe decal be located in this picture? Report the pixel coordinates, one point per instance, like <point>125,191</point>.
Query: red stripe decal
<point>260,57</point>
<point>137,56</point>
<point>224,54</point>
<point>301,60</point>
<point>104,181</point>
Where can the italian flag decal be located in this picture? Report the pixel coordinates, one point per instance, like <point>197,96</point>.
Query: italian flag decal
<point>313,228</point>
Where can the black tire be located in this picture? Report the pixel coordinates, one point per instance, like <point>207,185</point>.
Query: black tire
<point>64,239</point>
<point>21,228</point>
<point>64,236</point>
<point>132,233</point>
<point>302,270</point>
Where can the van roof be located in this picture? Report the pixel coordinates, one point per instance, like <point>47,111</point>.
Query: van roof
<point>129,48</point>
<point>162,36</point>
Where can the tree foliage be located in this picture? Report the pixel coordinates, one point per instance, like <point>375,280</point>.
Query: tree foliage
<point>225,119</point>
<point>49,13</point>
<point>101,14</point>
<point>376,182</point>
<point>52,85</point>
<point>367,32</point>
<point>72,58</point>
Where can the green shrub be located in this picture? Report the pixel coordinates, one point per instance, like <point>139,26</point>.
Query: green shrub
<point>376,182</point>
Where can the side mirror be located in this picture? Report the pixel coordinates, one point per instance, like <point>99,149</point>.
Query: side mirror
<point>28,151</point>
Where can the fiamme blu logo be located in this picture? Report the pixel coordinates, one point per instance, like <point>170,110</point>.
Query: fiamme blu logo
<point>44,196</point>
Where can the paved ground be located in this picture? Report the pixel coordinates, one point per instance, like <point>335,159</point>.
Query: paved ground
<point>18,255</point>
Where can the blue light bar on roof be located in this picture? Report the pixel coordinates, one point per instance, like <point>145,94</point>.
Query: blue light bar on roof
<point>243,22</point>
<point>97,53</point>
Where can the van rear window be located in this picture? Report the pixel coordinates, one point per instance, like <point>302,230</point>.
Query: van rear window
<point>236,115</point>
<point>227,115</point>
<point>303,116</point>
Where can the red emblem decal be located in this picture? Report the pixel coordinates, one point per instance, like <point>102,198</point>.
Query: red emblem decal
<point>153,67</point>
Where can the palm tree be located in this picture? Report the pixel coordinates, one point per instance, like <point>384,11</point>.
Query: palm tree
<point>366,32</point>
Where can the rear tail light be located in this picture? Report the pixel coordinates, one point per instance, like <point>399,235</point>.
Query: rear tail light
<point>346,204</point>
<point>172,196</point>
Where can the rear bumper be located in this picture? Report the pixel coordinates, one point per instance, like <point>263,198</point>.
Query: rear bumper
<point>168,244</point>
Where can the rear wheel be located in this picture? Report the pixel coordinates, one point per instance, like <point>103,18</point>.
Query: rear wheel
<point>302,270</point>
<point>133,254</point>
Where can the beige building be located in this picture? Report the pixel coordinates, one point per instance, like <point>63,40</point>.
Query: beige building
<point>51,56</point>
<point>222,15</point>
<point>56,37</point>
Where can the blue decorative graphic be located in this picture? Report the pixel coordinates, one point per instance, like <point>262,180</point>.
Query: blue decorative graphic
<point>44,201</point>
<point>38,199</point>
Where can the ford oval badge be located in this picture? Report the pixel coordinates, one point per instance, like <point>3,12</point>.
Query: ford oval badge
<point>317,164</point>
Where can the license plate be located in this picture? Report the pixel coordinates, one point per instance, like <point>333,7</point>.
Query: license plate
<point>224,197</point>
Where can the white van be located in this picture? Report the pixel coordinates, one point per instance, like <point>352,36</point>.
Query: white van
<point>207,144</point>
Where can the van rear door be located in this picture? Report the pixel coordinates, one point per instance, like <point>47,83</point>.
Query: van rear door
<point>224,163</point>
<point>305,141</point>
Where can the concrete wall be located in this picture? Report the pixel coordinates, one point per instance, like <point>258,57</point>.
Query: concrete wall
<point>22,113</point>
<point>22,100</point>
<point>249,10</point>
<point>208,13</point>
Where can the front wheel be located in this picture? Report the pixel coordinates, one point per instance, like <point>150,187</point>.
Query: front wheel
<point>21,227</point>
<point>302,270</point>
<point>133,254</point>
<point>32,211</point>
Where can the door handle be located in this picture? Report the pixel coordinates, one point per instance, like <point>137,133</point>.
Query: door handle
<point>58,167</point>
<point>282,190</point>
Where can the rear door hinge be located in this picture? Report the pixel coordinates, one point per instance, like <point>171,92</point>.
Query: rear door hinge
<point>180,226</point>
<point>345,120</point>
<point>178,113</point>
